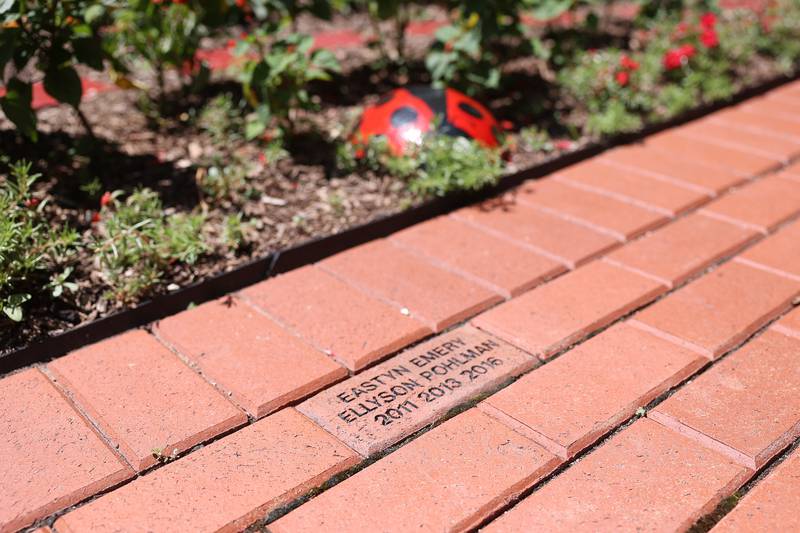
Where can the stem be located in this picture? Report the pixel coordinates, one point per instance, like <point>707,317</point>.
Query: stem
<point>162,91</point>
<point>376,30</point>
<point>86,124</point>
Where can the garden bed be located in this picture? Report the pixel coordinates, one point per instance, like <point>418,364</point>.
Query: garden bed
<point>252,198</point>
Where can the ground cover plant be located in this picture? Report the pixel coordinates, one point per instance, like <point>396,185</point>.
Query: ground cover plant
<point>192,170</point>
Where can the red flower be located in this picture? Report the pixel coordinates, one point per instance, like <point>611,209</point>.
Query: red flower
<point>623,76</point>
<point>709,38</point>
<point>241,3</point>
<point>360,153</point>
<point>180,1</point>
<point>31,203</point>
<point>708,20</point>
<point>687,50</point>
<point>628,63</point>
<point>231,43</point>
<point>680,30</point>
<point>562,144</point>
<point>105,199</point>
<point>95,217</point>
<point>507,125</point>
<point>673,59</point>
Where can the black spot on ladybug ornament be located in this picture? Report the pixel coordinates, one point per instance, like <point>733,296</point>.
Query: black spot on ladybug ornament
<point>405,115</point>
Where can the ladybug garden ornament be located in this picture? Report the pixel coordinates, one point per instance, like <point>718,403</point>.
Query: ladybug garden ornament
<point>406,115</point>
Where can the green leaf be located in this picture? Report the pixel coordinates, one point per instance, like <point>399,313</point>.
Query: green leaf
<point>16,105</point>
<point>13,306</point>
<point>64,85</point>
<point>93,13</point>
<point>89,51</point>
<point>550,9</point>
<point>254,128</point>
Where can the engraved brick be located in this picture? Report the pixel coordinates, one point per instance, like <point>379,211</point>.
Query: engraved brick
<point>384,404</point>
<point>747,406</point>
<point>143,397</point>
<point>559,313</point>
<point>449,479</point>
<point>645,478</point>
<point>633,186</point>
<point>231,343</point>
<point>761,205</point>
<point>569,403</point>
<point>338,319</point>
<point>431,294</point>
<point>224,486</point>
<point>50,458</point>
<point>718,311</point>
<point>680,250</point>
<point>565,241</point>
<point>505,267</point>
<point>619,219</point>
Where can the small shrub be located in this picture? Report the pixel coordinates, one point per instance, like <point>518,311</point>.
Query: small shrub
<point>32,255</point>
<point>275,82</point>
<point>439,166</point>
<point>51,37</point>
<point>137,242</point>
<point>162,35</point>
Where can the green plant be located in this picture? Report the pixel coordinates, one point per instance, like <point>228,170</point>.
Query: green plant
<point>137,241</point>
<point>438,166</point>
<point>163,35</point>
<point>50,38</point>
<point>32,255</point>
<point>275,82</point>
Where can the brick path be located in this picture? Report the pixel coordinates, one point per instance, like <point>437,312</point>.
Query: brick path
<point>610,347</point>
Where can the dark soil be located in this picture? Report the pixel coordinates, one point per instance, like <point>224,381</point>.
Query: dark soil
<point>287,201</point>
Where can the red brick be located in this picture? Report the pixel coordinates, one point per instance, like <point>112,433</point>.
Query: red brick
<point>778,149</point>
<point>738,161</point>
<point>779,253</point>
<point>553,316</point>
<point>224,486</point>
<point>621,220</point>
<point>646,478</point>
<point>721,309</point>
<point>143,397</point>
<point>51,458</point>
<point>791,172</point>
<point>569,403</point>
<point>770,126</point>
<point>788,92</point>
<point>386,403</point>
<point>747,406</point>
<point>631,186</point>
<point>690,172</point>
<point>230,342</point>
<point>432,295</point>
<point>448,479</point>
<point>680,250</point>
<point>351,327</point>
<point>502,266</point>
<point>761,205</point>
<point>789,324</point>
<point>784,108</point>
<point>549,235</point>
<point>771,505</point>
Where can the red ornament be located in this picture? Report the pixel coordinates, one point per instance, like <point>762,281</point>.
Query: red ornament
<point>406,115</point>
